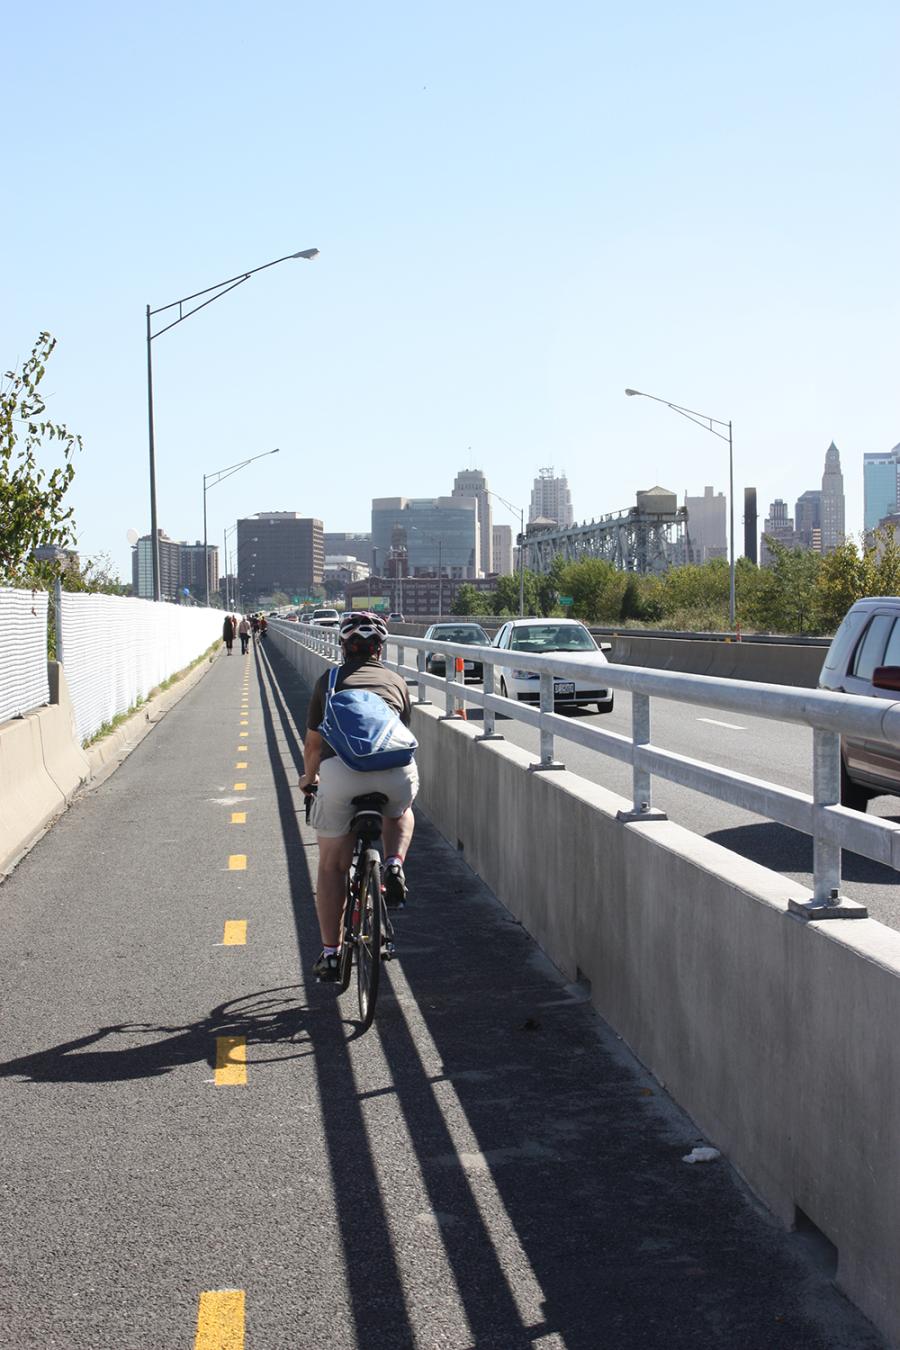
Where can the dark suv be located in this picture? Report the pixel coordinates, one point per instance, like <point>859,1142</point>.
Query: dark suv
<point>864,658</point>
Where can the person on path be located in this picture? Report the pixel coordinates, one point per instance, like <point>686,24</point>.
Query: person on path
<point>228,632</point>
<point>244,631</point>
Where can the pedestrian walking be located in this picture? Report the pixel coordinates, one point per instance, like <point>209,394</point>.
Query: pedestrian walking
<point>244,631</point>
<point>228,632</point>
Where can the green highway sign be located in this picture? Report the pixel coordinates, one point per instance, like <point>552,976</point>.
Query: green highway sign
<point>295,599</point>
<point>566,600</point>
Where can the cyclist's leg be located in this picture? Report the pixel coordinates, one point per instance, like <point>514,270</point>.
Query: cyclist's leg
<point>397,834</point>
<point>335,856</point>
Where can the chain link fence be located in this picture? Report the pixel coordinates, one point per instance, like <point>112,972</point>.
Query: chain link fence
<point>115,649</point>
<point>23,652</point>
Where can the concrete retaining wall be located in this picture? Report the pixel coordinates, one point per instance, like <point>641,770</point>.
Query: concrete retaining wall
<point>777,1036</point>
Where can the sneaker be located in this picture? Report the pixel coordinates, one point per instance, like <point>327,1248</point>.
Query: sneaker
<point>326,968</point>
<point>394,886</point>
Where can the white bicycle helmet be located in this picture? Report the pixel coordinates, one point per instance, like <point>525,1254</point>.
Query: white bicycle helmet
<point>362,633</point>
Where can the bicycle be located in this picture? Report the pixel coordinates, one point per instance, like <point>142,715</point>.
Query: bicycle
<point>367,934</point>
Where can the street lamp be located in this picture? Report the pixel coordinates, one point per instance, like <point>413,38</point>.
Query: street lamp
<point>215,293</point>
<point>709,424</point>
<point>229,530</point>
<point>520,512</point>
<point>211,480</point>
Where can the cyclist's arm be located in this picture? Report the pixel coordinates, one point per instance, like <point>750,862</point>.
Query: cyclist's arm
<point>312,754</point>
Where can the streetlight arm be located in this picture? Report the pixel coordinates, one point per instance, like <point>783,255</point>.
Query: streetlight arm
<point>701,419</point>
<point>217,476</point>
<point>221,288</point>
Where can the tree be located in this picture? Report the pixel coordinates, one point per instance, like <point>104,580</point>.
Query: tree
<point>32,509</point>
<point>469,600</point>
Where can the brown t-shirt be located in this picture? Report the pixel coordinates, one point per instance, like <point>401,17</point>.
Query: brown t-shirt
<point>370,674</point>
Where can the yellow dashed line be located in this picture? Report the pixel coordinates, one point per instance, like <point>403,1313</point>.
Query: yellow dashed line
<point>244,722</point>
<point>241,764</point>
<point>220,1320</point>
<point>240,787</point>
<point>235,933</point>
<point>231,1061</point>
<point>244,733</point>
<point>239,817</point>
<point>237,862</point>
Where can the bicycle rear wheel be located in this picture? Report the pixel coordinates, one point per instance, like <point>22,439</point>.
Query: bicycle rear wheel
<point>368,947</point>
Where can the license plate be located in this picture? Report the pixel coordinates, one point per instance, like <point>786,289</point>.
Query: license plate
<point>468,665</point>
<point>563,687</point>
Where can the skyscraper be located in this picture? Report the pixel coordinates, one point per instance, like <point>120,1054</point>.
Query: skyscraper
<point>436,534</point>
<point>551,499</point>
<point>880,486</point>
<point>472,483</point>
<point>832,501</point>
<point>750,524</point>
<point>808,520</point>
<point>503,550</point>
<point>279,551</point>
<point>779,527</point>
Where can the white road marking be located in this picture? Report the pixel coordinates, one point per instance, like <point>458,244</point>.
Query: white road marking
<point>714,722</point>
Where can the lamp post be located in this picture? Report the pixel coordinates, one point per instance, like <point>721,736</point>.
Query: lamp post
<point>710,424</point>
<point>229,530</point>
<point>520,512</point>
<point>214,293</point>
<point>211,480</point>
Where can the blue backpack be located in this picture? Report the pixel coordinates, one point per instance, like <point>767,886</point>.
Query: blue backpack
<point>363,731</point>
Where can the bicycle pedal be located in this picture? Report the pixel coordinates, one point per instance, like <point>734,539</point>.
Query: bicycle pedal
<point>388,951</point>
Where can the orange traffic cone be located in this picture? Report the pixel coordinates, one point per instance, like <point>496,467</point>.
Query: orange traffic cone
<point>460,675</point>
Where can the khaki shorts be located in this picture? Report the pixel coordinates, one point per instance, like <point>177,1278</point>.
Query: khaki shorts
<point>333,809</point>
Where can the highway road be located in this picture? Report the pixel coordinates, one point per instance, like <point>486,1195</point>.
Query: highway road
<point>777,752</point>
<point>199,1151</point>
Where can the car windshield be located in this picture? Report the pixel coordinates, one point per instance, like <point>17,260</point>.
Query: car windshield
<point>551,637</point>
<point>466,632</point>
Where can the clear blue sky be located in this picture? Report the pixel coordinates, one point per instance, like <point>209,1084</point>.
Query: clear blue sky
<point>521,209</point>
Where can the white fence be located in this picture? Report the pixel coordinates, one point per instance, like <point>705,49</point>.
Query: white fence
<point>23,652</point>
<point>115,649</point>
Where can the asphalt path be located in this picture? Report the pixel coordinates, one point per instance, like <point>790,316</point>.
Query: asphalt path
<point>778,752</point>
<point>200,1150</point>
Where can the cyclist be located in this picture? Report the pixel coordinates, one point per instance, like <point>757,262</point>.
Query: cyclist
<point>362,637</point>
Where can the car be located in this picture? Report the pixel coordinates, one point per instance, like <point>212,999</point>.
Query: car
<point>326,618</point>
<point>472,634</point>
<point>541,637</point>
<point>396,618</point>
<point>864,658</point>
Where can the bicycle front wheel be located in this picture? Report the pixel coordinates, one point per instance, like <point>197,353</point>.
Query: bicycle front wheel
<point>368,948</point>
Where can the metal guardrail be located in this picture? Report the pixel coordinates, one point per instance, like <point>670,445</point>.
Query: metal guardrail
<point>833,827</point>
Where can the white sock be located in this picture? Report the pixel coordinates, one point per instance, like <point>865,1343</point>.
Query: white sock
<point>389,862</point>
<point>329,951</point>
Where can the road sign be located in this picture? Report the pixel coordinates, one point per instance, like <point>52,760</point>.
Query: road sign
<point>295,599</point>
<point>379,606</point>
<point>566,600</point>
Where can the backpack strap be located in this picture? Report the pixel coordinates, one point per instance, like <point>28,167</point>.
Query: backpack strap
<point>329,687</point>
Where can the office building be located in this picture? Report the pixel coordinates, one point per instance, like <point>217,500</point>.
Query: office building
<point>279,551</point>
<point>169,567</point>
<point>707,534</point>
<point>751,526</point>
<point>779,527</point>
<point>832,501</point>
<point>422,536</point>
<point>808,521</point>
<point>551,499</point>
<point>349,544</point>
<point>472,483</point>
<point>881,491</point>
<point>502,550</point>
<point>192,570</point>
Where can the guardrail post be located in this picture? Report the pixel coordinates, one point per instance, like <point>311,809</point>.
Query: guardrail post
<point>827,901</point>
<point>449,681</point>
<point>641,789</point>
<point>487,684</point>
<point>547,705</point>
<point>421,688</point>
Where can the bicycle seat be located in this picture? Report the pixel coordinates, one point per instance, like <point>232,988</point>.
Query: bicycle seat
<point>370,801</point>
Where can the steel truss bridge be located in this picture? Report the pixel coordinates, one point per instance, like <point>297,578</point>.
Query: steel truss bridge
<point>632,540</point>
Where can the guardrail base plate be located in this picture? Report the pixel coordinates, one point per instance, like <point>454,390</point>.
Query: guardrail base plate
<point>650,814</point>
<point>841,908</point>
<point>544,768</point>
<point>490,736</point>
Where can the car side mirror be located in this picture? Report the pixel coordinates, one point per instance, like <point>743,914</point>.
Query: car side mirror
<point>886,677</point>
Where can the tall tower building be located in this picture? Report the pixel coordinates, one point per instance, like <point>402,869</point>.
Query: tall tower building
<point>832,500</point>
<point>503,550</point>
<point>881,488</point>
<point>750,525</point>
<point>551,499</point>
<point>472,483</point>
<point>779,527</point>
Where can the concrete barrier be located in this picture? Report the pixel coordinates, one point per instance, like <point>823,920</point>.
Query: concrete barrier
<point>777,1036</point>
<point>41,767</point>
